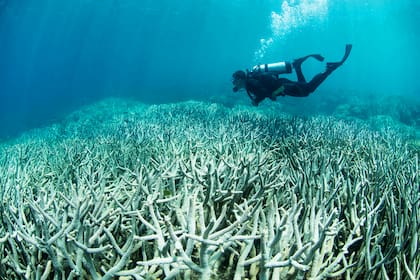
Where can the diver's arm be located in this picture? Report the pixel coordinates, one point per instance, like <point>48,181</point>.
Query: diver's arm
<point>253,98</point>
<point>257,100</point>
<point>256,91</point>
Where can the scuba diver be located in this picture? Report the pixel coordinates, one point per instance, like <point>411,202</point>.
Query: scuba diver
<point>264,82</point>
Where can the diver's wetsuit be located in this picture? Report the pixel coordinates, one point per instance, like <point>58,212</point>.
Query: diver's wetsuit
<point>265,85</point>
<point>261,86</point>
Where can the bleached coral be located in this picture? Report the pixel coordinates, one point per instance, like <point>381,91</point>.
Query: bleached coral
<point>195,190</point>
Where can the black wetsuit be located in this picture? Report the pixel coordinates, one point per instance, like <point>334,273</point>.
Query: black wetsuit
<point>262,85</point>
<point>268,85</point>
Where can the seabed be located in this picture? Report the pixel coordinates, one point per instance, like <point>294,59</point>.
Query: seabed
<point>195,190</point>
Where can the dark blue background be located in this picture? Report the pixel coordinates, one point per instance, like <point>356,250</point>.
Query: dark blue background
<point>57,55</point>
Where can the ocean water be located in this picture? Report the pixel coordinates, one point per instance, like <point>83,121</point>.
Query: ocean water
<point>59,55</point>
<point>124,153</point>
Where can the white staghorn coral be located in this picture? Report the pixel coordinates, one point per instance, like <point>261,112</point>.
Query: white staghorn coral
<point>193,191</point>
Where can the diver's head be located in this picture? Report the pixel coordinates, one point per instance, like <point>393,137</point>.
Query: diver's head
<point>238,80</point>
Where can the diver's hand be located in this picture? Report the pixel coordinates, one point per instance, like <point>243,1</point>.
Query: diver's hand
<point>277,92</point>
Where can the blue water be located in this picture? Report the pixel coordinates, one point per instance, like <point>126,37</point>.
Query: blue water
<point>56,56</point>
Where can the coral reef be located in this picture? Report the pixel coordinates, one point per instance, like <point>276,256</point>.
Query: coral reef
<point>199,191</point>
<point>404,109</point>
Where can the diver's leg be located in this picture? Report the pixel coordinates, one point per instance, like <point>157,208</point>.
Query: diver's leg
<point>298,70</point>
<point>331,66</point>
<point>297,64</point>
<point>304,89</point>
<point>295,89</point>
<point>316,81</point>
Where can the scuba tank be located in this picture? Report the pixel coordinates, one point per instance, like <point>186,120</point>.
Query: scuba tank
<point>282,67</point>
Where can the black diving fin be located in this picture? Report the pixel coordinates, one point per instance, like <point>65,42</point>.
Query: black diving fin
<point>331,66</point>
<point>347,53</point>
